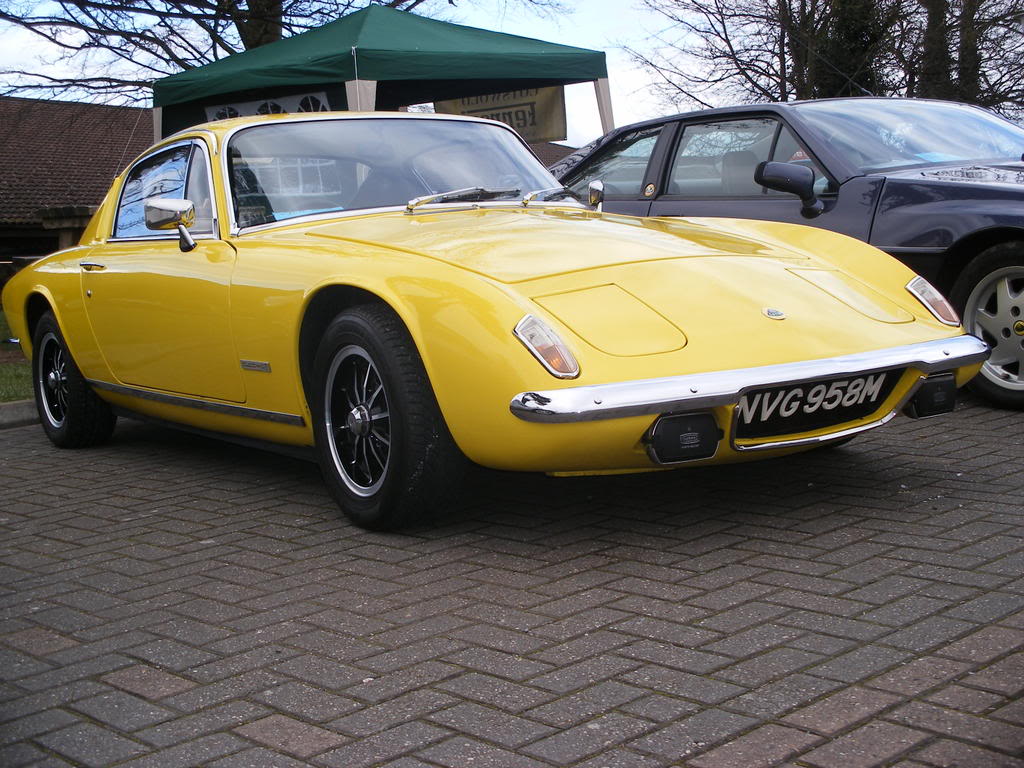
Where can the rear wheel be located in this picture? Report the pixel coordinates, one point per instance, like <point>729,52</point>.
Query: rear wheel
<point>72,415</point>
<point>385,451</point>
<point>990,296</point>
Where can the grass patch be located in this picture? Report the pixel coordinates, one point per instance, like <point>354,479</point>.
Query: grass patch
<point>15,381</point>
<point>15,376</point>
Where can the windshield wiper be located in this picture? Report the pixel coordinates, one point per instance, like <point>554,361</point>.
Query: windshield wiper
<point>548,193</point>
<point>469,193</point>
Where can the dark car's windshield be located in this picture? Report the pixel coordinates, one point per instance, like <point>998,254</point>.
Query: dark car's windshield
<point>283,170</point>
<point>874,134</point>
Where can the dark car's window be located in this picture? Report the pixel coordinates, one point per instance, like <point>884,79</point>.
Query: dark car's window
<point>284,170</point>
<point>789,150</point>
<point>718,159</point>
<point>620,166</point>
<point>874,134</point>
<point>166,174</point>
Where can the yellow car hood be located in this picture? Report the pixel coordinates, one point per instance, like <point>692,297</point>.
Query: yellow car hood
<point>512,245</point>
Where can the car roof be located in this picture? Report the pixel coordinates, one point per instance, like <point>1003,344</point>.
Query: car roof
<point>764,106</point>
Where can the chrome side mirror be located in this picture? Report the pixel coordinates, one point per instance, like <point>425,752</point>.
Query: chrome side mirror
<point>595,194</point>
<point>168,213</point>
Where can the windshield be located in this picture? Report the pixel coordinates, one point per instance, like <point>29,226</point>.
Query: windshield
<point>874,134</point>
<point>282,170</point>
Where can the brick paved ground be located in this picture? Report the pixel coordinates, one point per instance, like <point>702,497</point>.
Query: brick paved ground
<point>172,601</point>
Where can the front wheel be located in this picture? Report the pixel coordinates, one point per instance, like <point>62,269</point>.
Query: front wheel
<point>990,296</point>
<point>72,415</point>
<point>384,449</point>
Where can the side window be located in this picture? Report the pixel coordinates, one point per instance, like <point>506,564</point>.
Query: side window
<point>198,191</point>
<point>621,165</point>
<point>162,175</point>
<point>789,150</point>
<point>718,159</point>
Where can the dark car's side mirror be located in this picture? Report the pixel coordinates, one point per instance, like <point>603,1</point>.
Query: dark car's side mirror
<point>595,193</point>
<point>795,179</point>
<point>169,213</point>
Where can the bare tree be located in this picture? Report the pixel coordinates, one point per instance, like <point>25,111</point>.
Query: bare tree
<point>112,50</point>
<point>778,50</point>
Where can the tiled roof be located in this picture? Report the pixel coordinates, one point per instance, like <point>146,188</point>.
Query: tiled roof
<point>549,152</point>
<point>61,153</point>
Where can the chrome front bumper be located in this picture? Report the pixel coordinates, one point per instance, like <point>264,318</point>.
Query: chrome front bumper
<point>700,391</point>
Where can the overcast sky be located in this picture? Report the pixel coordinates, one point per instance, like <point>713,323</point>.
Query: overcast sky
<point>604,25</point>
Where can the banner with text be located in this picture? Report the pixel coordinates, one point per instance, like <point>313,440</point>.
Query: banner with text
<point>538,114</point>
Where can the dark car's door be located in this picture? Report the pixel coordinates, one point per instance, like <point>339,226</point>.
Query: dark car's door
<point>626,166</point>
<point>710,172</point>
<point>706,168</point>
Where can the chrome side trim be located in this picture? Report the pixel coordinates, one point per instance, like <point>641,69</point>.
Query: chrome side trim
<point>700,391</point>
<point>202,405</point>
<point>256,365</point>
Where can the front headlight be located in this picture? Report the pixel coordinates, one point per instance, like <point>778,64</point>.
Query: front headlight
<point>934,301</point>
<point>538,337</point>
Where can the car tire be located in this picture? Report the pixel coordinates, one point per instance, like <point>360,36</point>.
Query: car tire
<point>989,295</point>
<point>72,415</point>
<point>385,451</point>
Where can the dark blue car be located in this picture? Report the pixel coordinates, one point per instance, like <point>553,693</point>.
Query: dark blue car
<point>938,185</point>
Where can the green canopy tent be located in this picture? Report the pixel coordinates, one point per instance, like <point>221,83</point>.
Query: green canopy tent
<point>379,58</point>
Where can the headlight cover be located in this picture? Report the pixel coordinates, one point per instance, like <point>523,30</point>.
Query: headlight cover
<point>934,301</point>
<point>544,344</point>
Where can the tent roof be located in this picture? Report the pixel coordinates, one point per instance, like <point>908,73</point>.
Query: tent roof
<point>389,46</point>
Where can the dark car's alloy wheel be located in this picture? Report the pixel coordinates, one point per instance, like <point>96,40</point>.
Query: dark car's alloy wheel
<point>72,415</point>
<point>990,294</point>
<point>385,451</point>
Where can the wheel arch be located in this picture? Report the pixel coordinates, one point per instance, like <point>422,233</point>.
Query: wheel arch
<point>321,308</point>
<point>960,254</point>
<point>37,304</point>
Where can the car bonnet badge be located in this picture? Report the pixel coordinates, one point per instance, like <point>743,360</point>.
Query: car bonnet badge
<point>774,314</point>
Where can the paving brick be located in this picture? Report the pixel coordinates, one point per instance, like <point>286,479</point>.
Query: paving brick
<point>408,738</point>
<point>409,706</point>
<point>148,682</point>
<point>763,748</point>
<point>860,663</point>
<point>954,754</point>
<point>588,738</point>
<point>91,745</point>
<point>207,721</point>
<point>1002,736</point>
<point>985,644</point>
<point>871,745</point>
<point>307,702</point>
<point>122,711</point>
<point>257,757</point>
<point>460,752</point>
<point>693,735</point>
<point>776,698</point>
<point>286,734</point>
<point>841,710</point>
<point>486,689</point>
<point>197,752</point>
<point>506,730</point>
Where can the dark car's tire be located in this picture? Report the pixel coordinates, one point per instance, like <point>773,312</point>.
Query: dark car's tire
<point>990,297</point>
<point>385,451</point>
<point>72,415</point>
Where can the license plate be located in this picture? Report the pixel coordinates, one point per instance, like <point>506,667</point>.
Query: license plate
<point>812,405</point>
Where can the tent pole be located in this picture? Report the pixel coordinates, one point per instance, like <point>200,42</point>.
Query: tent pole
<point>604,104</point>
<point>361,95</point>
<point>158,119</point>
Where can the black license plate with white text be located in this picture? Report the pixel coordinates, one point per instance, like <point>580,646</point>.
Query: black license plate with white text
<point>814,405</point>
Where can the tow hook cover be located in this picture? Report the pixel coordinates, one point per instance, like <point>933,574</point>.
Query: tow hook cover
<point>683,437</point>
<point>937,395</point>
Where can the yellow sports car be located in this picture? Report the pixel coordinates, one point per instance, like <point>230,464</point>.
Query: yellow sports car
<point>402,292</point>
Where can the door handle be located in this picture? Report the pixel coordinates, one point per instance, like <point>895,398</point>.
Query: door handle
<point>91,266</point>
